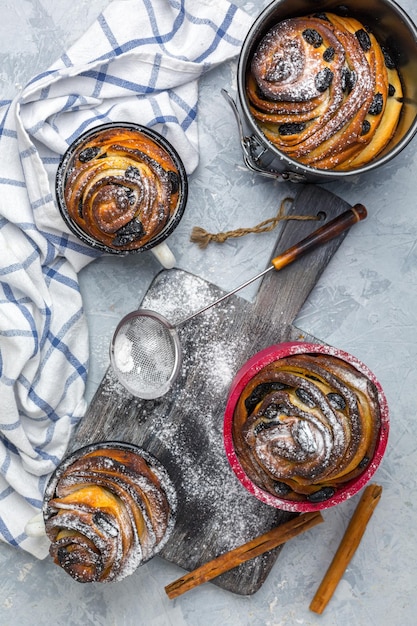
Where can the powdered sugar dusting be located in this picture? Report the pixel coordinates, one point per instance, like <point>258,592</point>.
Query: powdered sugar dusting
<point>222,510</point>
<point>318,90</point>
<point>273,452</point>
<point>123,353</point>
<point>185,428</point>
<point>122,514</point>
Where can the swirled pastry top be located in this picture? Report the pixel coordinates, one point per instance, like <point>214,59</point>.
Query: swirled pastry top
<point>305,425</point>
<point>324,91</point>
<point>121,187</point>
<point>107,512</point>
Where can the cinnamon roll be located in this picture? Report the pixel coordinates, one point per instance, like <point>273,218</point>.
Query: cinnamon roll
<point>324,91</point>
<point>107,510</point>
<point>305,425</point>
<point>121,187</point>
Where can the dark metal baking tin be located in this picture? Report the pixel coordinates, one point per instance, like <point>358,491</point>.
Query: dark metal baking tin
<point>391,26</point>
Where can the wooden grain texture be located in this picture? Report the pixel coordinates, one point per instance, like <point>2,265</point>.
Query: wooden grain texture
<point>283,293</point>
<point>184,428</point>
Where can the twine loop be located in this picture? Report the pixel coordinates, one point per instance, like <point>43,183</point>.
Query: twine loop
<point>202,237</point>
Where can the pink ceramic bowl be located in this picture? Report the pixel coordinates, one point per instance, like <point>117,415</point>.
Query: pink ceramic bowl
<point>247,372</point>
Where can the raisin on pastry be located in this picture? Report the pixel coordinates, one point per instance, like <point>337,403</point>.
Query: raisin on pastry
<point>122,188</point>
<point>324,92</point>
<point>306,425</point>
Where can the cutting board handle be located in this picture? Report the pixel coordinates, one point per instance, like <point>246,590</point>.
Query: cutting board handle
<point>282,294</point>
<point>322,235</point>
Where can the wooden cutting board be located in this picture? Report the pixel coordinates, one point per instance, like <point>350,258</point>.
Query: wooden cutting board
<point>184,428</point>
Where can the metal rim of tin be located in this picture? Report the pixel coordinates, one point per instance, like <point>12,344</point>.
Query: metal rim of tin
<point>158,139</point>
<point>256,145</point>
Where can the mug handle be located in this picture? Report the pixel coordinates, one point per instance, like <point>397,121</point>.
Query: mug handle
<point>36,526</point>
<point>164,255</point>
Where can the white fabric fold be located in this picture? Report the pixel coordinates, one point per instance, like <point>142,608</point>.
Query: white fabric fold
<point>139,62</point>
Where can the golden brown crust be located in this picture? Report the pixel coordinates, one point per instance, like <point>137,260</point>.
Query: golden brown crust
<point>305,425</point>
<point>122,188</point>
<point>109,512</point>
<point>320,91</point>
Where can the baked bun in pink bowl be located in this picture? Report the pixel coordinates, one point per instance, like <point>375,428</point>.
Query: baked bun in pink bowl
<point>306,426</point>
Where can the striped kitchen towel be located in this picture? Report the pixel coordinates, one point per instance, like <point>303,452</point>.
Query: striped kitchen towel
<point>139,62</point>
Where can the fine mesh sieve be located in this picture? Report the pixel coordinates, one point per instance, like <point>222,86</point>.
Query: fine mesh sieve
<point>146,354</point>
<point>145,351</point>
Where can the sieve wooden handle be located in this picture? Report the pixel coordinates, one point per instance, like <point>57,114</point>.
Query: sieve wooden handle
<point>327,232</point>
<point>322,235</point>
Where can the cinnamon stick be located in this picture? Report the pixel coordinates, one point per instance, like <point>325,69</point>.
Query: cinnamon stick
<point>347,547</point>
<point>247,551</point>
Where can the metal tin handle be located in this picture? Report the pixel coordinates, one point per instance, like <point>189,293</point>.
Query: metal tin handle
<point>253,150</point>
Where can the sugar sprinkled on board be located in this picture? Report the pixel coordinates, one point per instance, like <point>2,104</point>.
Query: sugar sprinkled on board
<point>215,512</point>
<point>211,359</point>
